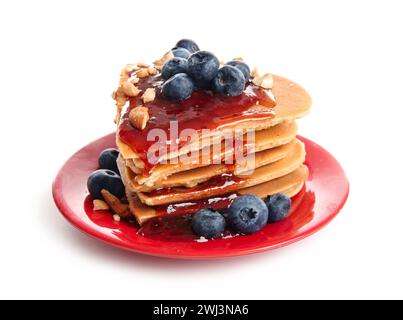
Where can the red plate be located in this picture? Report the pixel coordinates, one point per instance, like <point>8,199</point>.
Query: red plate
<point>317,204</point>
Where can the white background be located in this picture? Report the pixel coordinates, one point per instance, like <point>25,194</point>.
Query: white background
<point>59,62</point>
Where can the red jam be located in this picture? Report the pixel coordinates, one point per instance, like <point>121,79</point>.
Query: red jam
<point>175,228</point>
<point>203,110</point>
<point>225,181</point>
<point>182,208</point>
<point>178,227</point>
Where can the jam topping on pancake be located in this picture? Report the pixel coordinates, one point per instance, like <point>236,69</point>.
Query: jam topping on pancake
<point>203,110</point>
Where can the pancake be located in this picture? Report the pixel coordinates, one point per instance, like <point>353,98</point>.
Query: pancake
<point>191,178</point>
<point>289,184</point>
<point>227,183</point>
<point>292,102</point>
<point>162,188</point>
<point>264,139</point>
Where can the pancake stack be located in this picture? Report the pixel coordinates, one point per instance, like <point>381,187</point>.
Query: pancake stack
<point>166,188</point>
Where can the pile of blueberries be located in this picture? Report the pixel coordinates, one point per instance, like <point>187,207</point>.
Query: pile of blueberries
<point>247,214</point>
<point>192,69</point>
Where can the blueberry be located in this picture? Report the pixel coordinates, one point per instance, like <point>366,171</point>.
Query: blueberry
<point>181,53</point>
<point>208,223</point>
<point>188,44</point>
<point>241,66</point>
<point>279,205</point>
<point>174,66</point>
<point>203,67</point>
<point>107,159</point>
<point>229,81</point>
<point>178,88</point>
<point>105,179</point>
<point>247,214</point>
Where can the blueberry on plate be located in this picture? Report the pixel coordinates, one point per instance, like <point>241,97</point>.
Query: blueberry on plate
<point>278,205</point>
<point>208,223</point>
<point>188,44</point>
<point>247,214</point>
<point>229,81</point>
<point>241,66</point>
<point>107,159</point>
<point>203,67</point>
<point>105,179</point>
<point>181,53</point>
<point>174,66</point>
<point>178,88</point>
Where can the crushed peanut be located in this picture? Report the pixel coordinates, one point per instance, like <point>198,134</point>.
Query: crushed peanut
<point>133,79</point>
<point>120,101</point>
<point>100,205</point>
<point>265,81</point>
<point>152,70</point>
<point>125,88</point>
<point>130,68</point>
<point>149,95</point>
<point>115,204</point>
<point>142,73</point>
<point>167,56</point>
<point>139,117</point>
<point>254,73</point>
<point>129,89</point>
<point>143,65</point>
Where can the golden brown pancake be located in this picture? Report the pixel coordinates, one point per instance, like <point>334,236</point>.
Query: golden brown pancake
<point>289,184</point>
<point>279,160</point>
<point>264,139</point>
<point>191,178</point>
<point>263,174</point>
<point>292,102</point>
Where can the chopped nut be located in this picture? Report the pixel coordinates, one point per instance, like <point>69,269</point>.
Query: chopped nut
<point>139,117</point>
<point>131,67</point>
<point>117,117</point>
<point>165,58</point>
<point>134,79</point>
<point>116,217</point>
<point>100,205</point>
<point>158,67</point>
<point>254,73</point>
<point>151,70</point>
<point>143,65</point>
<point>120,101</point>
<point>114,95</point>
<point>142,73</point>
<point>238,59</point>
<point>130,89</point>
<point>265,81</point>
<point>126,71</point>
<point>149,95</point>
<point>115,204</point>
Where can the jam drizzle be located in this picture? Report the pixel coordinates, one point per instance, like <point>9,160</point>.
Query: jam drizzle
<point>224,181</point>
<point>178,226</point>
<point>203,110</point>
